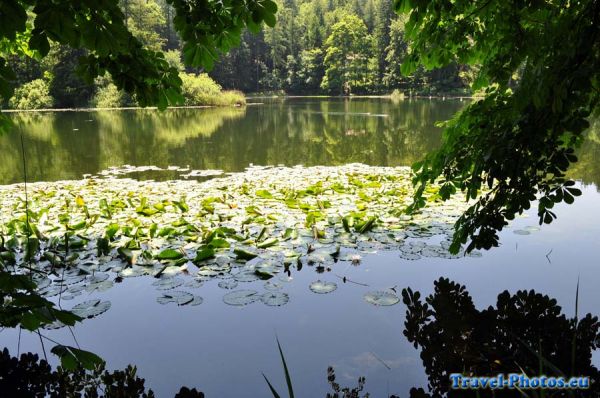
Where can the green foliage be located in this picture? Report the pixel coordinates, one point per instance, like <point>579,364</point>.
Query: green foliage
<point>515,145</point>
<point>173,57</point>
<point>32,95</point>
<point>145,19</point>
<point>67,88</point>
<point>290,57</point>
<point>347,52</point>
<point>108,96</point>
<point>202,90</point>
<point>22,306</point>
<point>206,29</point>
<point>525,333</point>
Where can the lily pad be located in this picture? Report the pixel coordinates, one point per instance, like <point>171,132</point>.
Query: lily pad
<point>228,284</point>
<point>410,256</point>
<point>91,308</point>
<point>381,298</point>
<point>275,299</point>
<point>241,298</point>
<point>321,287</point>
<point>168,283</point>
<point>178,297</point>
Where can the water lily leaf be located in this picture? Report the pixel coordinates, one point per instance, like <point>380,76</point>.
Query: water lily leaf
<point>99,286</point>
<point>204,253</point>
<point>91,308</point>
<point>219,243</point>
<point>133,272</point>
<point>228,284</point>
<point>410,256</point>
<point>241,297</point>
<point>381,298</point>
<point>197,300</point>
<point>246,276</point>
<point>264,274</point>
<point>178,297</point>
<point>167,283</point>
<point>97,277</point>
<point>275,299</point>
<point>272,285</point>
<point>521,232</point>
<point>170,254</point>
<point>242,254</point>
<point>194,284</point>
<point>322,287</point>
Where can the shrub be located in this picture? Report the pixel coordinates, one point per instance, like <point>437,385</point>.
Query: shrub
<point>108,96</point>
<point>202,90</point>
<point>32,95</point>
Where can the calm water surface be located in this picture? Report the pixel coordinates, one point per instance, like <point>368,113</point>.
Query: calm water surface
<point>223,349</point>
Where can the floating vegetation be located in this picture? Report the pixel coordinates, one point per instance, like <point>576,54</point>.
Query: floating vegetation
<point>177,297</point>
<point>241,297</point>
<point>275,299</point>
<point>322,287</point>
<point>91,308</point>
<point>381,298</point>
<point>255,227</point>
<point>228,284</point>
<point>168,283</point>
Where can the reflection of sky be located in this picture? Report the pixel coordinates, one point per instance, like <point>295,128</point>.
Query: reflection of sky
<point>223,349</point>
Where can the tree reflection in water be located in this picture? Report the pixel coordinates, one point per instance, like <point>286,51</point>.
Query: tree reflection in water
<point>525,333</point>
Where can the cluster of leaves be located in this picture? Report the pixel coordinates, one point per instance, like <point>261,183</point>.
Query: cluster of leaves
<point>525,333</point>
<point>28,376</point>
<point>206,28</point>
<point>518,141</point>
<point>23,306</point>
<point>344,392</point>
<point>202,90</point>
<point>32,95</point>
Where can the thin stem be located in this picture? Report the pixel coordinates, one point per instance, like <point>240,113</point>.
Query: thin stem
<point>19,343</point>
<point>42,343</point>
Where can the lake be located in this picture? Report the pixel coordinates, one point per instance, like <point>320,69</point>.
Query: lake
<point>222,346</point>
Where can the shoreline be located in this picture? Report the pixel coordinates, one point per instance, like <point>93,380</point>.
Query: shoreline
<point>124,108</point>
<point>133,108</point>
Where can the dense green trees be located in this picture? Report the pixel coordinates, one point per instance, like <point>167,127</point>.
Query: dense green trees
<point>317,46</point>
<point>292,56</point>
<point>347,57</point>
<point>121,40</point>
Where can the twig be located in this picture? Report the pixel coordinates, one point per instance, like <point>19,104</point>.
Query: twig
<point>19,343</point>
<point>42,343</point>
<point>380,360</point>
<point>348,280</point>
<point>548,256</point>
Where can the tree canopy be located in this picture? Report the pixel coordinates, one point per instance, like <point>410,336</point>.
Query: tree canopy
<point>539,63</point>
<point>102,29</point>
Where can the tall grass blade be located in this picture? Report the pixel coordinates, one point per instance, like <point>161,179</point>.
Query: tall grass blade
<point>273,391</point>
<point>288,379</point>
<point>574,341</point>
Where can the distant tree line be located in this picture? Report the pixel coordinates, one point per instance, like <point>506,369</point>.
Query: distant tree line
<point>334,47</point>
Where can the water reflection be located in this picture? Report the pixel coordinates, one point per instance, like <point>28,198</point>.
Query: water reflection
<point>66,145</point>
<point>526,333</point>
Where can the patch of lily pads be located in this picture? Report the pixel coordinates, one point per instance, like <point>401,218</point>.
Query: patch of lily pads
<point>237,230</point>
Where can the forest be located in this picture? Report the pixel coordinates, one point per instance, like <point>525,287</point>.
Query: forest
<point>317,47</point>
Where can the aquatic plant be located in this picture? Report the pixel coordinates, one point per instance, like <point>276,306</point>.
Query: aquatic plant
<point>260,225</point>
